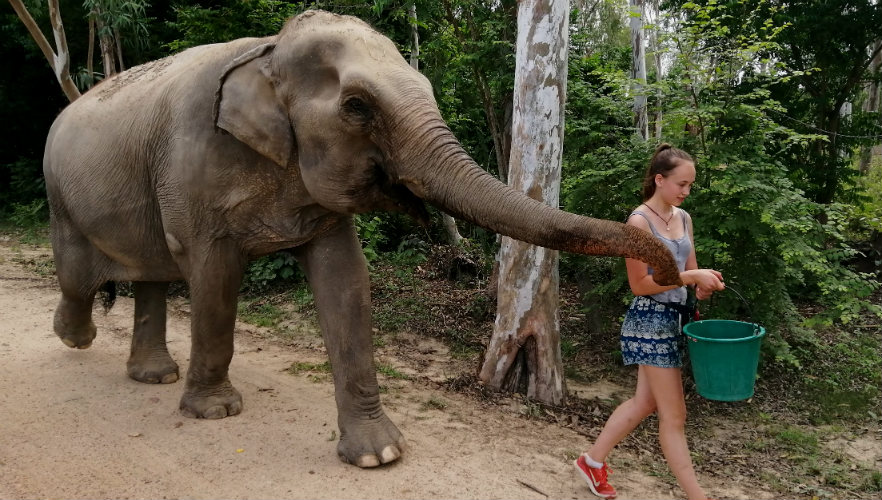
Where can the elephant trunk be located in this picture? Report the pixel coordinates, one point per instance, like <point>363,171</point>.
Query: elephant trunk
<point>437,169</point>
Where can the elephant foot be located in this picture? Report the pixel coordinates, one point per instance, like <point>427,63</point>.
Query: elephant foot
<point>370,443</point>
<point>212,402</point>
<point>75,336</point>
<point>159,368</point>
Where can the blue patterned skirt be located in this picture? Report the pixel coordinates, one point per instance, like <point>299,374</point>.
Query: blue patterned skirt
<point>651,335</point>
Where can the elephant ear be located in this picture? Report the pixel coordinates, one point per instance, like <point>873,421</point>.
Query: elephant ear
<point>246,106</point>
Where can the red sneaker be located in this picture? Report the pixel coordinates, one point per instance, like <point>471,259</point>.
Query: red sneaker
<point>596,478</point>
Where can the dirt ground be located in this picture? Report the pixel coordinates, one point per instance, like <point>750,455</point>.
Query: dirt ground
<point>73,425</point>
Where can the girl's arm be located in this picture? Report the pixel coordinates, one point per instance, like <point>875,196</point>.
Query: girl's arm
<point>691,262</point>
<point>641,281</point>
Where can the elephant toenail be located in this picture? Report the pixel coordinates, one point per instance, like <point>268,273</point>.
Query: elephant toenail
<point>367,461</point>
<point>389,454</point>
<point>215,412</point>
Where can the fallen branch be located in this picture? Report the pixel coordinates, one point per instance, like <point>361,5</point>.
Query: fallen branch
<point>537,490</point>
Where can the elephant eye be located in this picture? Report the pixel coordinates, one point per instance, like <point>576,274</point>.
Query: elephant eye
<point>357,110</point>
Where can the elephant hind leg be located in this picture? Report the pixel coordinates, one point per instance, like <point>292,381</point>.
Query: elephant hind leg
<point>73,321</point>
<point>149,360</point>
<point>79,268</point>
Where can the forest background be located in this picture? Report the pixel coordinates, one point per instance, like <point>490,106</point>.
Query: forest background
<point>778,101</point>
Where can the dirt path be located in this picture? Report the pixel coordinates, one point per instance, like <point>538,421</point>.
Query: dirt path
<point>72,425</point>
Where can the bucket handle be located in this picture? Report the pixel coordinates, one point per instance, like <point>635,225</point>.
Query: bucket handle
<point>756,327</point>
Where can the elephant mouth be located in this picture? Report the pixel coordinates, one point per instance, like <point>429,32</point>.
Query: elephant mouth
<point>380,192</point>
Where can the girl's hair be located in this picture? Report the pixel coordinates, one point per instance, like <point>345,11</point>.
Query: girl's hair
<point>665,159</point>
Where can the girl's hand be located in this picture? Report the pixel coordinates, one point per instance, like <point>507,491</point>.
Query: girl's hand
<point>707,281</point>
<point>701,294</point>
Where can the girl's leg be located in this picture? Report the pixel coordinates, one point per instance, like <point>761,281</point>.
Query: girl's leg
<point>626,417</point>
<point>666,386</point>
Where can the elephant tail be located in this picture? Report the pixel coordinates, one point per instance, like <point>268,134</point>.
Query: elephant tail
<point>108,295</point>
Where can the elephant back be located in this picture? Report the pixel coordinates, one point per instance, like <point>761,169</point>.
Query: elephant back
<point>195,70</point>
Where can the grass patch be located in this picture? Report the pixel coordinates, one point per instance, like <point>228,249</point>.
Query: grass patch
<point>304,367</point>
<point>842,384</point>
<point>315,372</point>
<point>434,403</point>
<point>260,312</point>
<point>27,222</point>
<point>391,372</point>
<point>42,266</point>
<point>795,439</point>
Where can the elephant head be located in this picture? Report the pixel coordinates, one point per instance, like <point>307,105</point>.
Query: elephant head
<point>334,97</point>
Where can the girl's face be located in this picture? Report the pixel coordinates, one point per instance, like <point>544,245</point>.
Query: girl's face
<point>674,188</point>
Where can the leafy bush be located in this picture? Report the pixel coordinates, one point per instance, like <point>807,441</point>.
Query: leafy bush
<point>29,215</point>
<point>371,235</point>
<point>272,271</point>
<point>225,21</point>
<point>751,222</point>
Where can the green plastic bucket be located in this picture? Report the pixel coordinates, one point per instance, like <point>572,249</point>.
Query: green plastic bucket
<point>724,356</point>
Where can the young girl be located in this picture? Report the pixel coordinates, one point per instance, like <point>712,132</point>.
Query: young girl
<point>651,336</point>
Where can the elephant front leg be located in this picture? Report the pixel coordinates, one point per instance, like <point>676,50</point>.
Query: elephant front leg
<point>215,274</point>
<point>337,272</point>
<point>149,361</point>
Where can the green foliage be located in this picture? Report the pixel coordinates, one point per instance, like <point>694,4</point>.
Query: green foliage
<point>391,372</point>
<point>229,20</point>
<point>434,403</point>
<point>841,383</point>
<point>272,271</point>
<point>29,215</point>
<point>371,235</point>
<point>752,222</point>
<point>260,312</point>
<point>124,18</point>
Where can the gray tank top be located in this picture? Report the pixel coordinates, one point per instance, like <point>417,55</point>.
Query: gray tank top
<point>680,248</point>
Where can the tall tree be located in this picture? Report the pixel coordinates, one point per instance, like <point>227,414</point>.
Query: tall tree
<point>872,104</point>
<point>524,351</point>
<point>656,50</point>
<point>59,61</point>
<point>824,52</point>
<point>638,69</point>
<point>469,31</point>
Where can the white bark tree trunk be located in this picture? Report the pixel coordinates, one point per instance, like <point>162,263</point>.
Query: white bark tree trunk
<point>60,62</point>
<point>524,351</point>
<point>415,39</point>
<point>655,48</point>
<point>638,69</point>
<point>105,41</point>
<point>90,58</point>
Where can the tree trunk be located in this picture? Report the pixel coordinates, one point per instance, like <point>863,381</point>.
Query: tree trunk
<point>414,38</point>
<point>655,47</point>
<point>524,351</point>
<point>872,105</point>
<point>118,39</point>
<point>638,69</point>
<point>90,57</point>
<point>105,41</point>
<point>60,62</point>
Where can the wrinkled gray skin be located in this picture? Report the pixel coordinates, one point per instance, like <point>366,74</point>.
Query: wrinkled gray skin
<point>187,167</point>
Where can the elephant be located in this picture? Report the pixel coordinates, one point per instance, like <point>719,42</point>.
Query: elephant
<point>185,168</point>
